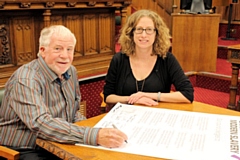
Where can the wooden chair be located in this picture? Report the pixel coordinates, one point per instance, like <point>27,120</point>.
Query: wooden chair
<point>105,107</point>
<point>83,108</point>
<point>103,104</point>
<point>8,153</point>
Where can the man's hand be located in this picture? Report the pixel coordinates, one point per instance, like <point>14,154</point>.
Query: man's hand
<point>111,137</point>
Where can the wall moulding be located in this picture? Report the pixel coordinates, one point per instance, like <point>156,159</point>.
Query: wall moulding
<point>41,4</point>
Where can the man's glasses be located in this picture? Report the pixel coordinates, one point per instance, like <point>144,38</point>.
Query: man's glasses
<point>140,30</point>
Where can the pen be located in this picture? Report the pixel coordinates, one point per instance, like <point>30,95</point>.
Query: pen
<point>117,128</point>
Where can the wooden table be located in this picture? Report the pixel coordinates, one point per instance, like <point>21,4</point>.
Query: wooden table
<point>234,58</point>
<point>73,152</point>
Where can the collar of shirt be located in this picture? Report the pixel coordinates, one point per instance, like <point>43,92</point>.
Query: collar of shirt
<point>50,74</point>
<point>65,76</point>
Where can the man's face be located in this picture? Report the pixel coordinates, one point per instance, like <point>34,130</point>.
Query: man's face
<point>59,54</point>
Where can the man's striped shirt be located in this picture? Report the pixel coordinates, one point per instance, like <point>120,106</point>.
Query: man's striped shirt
<point>37,104</point>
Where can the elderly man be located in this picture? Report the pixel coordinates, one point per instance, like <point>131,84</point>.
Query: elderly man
<point>42,99</point>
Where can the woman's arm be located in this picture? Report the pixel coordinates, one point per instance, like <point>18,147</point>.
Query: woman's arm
<point>162,97</point>
<point>115,98</point>
<point>181,82</point>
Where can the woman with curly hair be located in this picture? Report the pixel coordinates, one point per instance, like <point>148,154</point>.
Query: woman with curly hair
<point>144,70</point>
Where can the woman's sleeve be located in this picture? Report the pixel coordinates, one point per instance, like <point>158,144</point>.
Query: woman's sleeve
<point>180,81</point>
<point>111,77</point>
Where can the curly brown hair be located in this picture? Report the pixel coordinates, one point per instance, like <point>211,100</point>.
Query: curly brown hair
<point>162,42</point>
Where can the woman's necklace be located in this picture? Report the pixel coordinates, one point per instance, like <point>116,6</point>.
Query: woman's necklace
<point>138,86</point>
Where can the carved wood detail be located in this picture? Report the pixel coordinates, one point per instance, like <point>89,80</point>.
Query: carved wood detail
<point>71,4</point>
<point>25,5</point>
<point>90,34</point>
<point>5,57</point>
<point>109,3</point>
<point>37,4</point>
<point>104,34</point>
<point>74,22</point>
<point>92,22</point>
<point>56,150</point>
<point>23,27</point>
<point>127,3</point>
<point>47,17</point>
<point>91,3</point>
<point>235,54</point>
<point>50,4</point>
<point>2,4</point>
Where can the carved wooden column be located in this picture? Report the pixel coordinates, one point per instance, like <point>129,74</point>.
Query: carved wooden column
<point>233,87</point>
<point>5,56</point>
<point>124,12</point>
<point>234,59</point>
<point>47,17</point>
<point>123,16</point>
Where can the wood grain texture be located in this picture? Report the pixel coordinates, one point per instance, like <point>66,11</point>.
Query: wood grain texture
<point>234,59</point>
<point>8,153</point>
<point>195,41</point>
<point>92,22</point>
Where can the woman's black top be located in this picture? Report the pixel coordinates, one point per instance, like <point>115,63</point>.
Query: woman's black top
<point>121,81</point>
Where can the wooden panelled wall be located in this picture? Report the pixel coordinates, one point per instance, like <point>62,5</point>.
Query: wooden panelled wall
<point>166,7</point>
<point>93,24</point>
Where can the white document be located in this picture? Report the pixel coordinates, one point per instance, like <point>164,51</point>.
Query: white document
<point>174,134</point>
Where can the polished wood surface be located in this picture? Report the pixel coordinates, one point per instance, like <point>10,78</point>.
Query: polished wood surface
<point>9,154</point>
<point>195,41</point>
<point>236,46</point>
<point>220,2</point>
<point>234,58</point>
<point>68,152</point>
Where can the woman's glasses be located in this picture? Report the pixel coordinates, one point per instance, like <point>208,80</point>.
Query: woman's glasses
<point>139,30</point>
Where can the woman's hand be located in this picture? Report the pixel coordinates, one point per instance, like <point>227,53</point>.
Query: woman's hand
<point>147,101</point>
<point>135,97</point>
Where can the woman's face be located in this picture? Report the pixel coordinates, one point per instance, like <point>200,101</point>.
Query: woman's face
<point>145,39</point>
